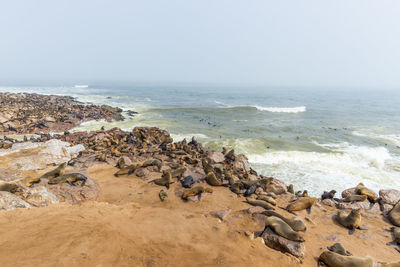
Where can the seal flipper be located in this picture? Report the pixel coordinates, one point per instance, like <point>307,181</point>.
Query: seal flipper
<point>392,243</point>
<point>199,196</point>
<point>308,210</point>
<point>398,249</point>
<point>351,231</point>
<point>70,183</point>
<point>83,183</point>
<point>361,228</point>
<point>167,186</point>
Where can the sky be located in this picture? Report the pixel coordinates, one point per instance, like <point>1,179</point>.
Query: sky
<point>341,43</point>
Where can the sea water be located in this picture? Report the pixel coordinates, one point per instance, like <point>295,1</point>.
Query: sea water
<point>317,139</point>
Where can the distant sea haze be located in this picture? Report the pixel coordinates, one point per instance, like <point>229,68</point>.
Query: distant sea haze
<point>316,139</point>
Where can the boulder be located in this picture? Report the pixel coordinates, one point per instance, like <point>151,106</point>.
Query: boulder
<point>394,215</point>
<point>9,201</point>
<point>142,172</point>
<point>389,196</point>
<point>40,196</point>
<point>241,162</point>
<point>349,192</point>
<point>8,175</point>
<point>216,157</point>
<point>274,241</point>
<point>367,206</point>
<point>277,187</point>
<point>328,202</point>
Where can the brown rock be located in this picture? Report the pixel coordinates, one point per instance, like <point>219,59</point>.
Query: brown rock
<point>9,201</point>
<point>389,196</point>
<point>367,206</point>
<point>328,202</point>
<point>277,187</point>
<point>349,192</point>
<point>220,214</point>
<point>142,172</point>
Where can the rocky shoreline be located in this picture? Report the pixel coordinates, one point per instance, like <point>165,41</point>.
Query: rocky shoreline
<point>195,172</point>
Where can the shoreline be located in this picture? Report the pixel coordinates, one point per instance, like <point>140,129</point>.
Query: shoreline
<point>228,174</point>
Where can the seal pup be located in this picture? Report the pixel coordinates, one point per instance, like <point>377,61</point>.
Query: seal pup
<point>251,189</point>
<point>70,178</point>
<point>339,249</point>
<point>187,181</point>
<point>328,195</point>
<point>56,172</point>
<point>165,180</point>
<point>162,195</point>
<point>211,179</point>
<point>283,229</point>
<point>333,259</point>
<point>127,170</point>
<point>355,198</point>
<point>362,190</point>
<point>194,191</point>
<point>394,215</point>
<point>260,203</point>
<point>303,203</point>
<point>295,224</point>
<point>351,221</point>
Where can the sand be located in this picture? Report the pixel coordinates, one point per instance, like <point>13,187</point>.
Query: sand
<point>129,226</point>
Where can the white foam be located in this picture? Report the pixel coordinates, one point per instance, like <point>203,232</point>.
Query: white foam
<point>345,167</point>
<point>188,137</point>
<point>392,138</point>
<point>283,110</point>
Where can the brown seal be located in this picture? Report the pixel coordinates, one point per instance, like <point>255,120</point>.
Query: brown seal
<point>269,199</point>
<point>295,224</point>
<point>339,249</point>
<point>54,173</point>
<point>303,203</point>
<point>152,162</point>
<point>162,195</point>
<point>362,190</point>
<point>260,203</point>
<point>333,259</point>
<point>197,190</point>
<point>290,189</point>
<point>9,187</point>
<point>127,170</point>
<point>211,179</point>
<point>351,221</point>
<point>165,180</point>
<point>283,229</point>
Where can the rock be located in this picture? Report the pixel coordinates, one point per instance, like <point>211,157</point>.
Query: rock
<point>241,162</point>
<point>385,208</point>
<point>194,198</point>
<point>367,206</point>
<point>394,215</point>
<point>216,157</point>
<point>220,214</point>
<point>277,187</point>
<point>8,175</point>
<point>389,196</point>
<point>50,152</point>
<point>328,202</point>
<point>50,119</point>
<point>255,209</point>
<point>9,201</point>
<point>349,192</point>
<point>274,241</point>
<point>260,219</point>
<point>40,196</point>
<point>142,172</point>
<point>73,194</point>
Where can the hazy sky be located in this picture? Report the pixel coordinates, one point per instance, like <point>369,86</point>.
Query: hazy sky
<point>349,43</point>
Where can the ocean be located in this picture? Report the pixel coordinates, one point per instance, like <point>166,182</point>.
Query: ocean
<point>317,139</point>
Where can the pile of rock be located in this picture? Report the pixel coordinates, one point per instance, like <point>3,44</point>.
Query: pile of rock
<point>25,113</point>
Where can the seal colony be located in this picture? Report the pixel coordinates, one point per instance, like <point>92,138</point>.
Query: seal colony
<point>149,153</point>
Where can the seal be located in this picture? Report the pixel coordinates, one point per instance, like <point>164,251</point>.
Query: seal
<point>197,190</point>
<point>29,181</point>
<point>355,198</point>
<point>351,221</point>
<point>165,180</point>
<point>290,189</point>
<point>362,190</point>
<point>178,172</point>
<point>121,163</point>
<point>162,195</point>
<point>9,187</point>
<point>328,195</point>
<point>339,249</point>
<point>211,179</point>
<point>295,224</point>
<point>127,170</point>
<point>333,259</point>
<point>56,172</point>
<point>70,178</point>
<point>394,215</point>
<point>269,199</point>
<point>303,203</point>
<point>260,203</point>
<point>283,229</point>
<point>152,162</point>
<point>251,189</point>
<point>187,181</point>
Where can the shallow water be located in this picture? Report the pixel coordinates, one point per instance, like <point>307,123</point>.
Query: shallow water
<point>316,139</point>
